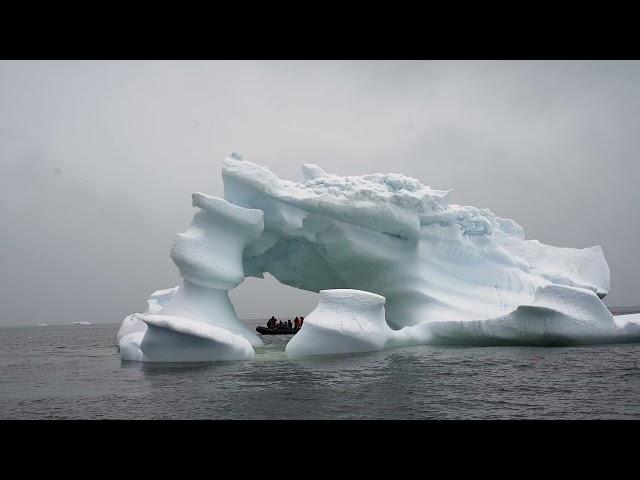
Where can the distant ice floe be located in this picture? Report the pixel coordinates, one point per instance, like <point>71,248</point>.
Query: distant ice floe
<point>441,273</point>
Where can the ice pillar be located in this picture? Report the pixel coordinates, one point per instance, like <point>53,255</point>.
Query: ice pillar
<point>209,257</point>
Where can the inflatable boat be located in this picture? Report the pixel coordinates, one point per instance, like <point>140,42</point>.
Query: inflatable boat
<point>276,331</point>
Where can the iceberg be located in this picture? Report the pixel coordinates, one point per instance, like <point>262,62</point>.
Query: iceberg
<point>437,272</point>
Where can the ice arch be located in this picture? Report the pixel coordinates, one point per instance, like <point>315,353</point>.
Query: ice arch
<point>448,273</point>
<point>268,297</point>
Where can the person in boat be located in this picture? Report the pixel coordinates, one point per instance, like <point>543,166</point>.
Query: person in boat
<point>301,320</point>
<point>280,325</point>
<point>289,325</point>
<point>296,323</point>
<point>272,322</point>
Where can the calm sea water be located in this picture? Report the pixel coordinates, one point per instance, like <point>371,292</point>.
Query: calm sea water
<point>74,372</point>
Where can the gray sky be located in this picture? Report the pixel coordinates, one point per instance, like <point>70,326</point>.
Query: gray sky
<point>98,161</point>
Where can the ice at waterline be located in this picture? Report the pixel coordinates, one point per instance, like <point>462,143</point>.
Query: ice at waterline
<point>396,264</point>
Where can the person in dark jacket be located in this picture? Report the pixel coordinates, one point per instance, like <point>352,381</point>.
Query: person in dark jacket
<point>289,325</point>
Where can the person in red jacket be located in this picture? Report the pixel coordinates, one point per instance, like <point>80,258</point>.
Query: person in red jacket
<point>296,323</point>
<point>301,320</point>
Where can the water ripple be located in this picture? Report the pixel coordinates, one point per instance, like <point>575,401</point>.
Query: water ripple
<point>74,372</point>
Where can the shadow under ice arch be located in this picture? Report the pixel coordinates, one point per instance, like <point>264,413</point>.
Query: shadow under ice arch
<point>445,273</point>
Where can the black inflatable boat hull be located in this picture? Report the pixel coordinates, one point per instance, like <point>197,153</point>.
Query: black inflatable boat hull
<point>276,331</point>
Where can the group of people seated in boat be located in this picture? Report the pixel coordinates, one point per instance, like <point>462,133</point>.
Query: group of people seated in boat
<point>280,325</point>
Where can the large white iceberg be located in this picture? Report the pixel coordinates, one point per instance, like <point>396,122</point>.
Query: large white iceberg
<point>449,273</point>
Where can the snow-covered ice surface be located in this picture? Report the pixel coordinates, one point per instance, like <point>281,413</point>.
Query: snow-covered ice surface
<point>449,274</point>
<point>345,321</point>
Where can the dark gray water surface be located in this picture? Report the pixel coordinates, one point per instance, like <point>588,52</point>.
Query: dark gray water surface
<point>74,372</point>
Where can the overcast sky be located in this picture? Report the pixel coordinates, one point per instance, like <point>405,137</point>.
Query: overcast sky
<point>98,161</point>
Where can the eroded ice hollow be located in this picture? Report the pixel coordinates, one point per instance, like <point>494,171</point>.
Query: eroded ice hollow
<point>448,273</point>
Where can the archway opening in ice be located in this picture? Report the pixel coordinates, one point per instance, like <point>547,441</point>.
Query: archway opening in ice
<point>255,300</point>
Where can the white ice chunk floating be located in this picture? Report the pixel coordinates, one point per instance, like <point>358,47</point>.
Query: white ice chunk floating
<point>345,321</point>
<point>129,346</point>
<point>629,324</point>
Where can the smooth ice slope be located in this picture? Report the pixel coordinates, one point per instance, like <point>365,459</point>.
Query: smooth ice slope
<point>175,339</point>
<point>345,321</point>
<point>558,315</point>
